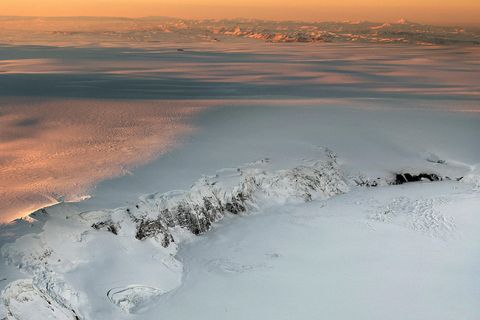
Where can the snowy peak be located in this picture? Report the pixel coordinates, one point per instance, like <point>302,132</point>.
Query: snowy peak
<point>402,21</point>
<point>123,31</point>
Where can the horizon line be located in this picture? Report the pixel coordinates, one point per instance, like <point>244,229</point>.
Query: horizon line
<point>459,24</point>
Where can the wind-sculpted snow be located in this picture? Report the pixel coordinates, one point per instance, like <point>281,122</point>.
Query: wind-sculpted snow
<point>23,300</point>
<point>157,222</point>
<point>473,178</point>
<point>420,215</point>
<point>37,259</point>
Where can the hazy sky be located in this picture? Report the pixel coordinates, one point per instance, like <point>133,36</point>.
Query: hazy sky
<point>429,11</point>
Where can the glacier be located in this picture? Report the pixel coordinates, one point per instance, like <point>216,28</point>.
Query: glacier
<point>81,250</point>
<point>320,181</point>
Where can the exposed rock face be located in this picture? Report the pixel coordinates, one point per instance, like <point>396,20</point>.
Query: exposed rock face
<point>233,191</point>
<point>163,218</point>
<point>399,178</point>
<point>106,225</point>
<point>402,178</point>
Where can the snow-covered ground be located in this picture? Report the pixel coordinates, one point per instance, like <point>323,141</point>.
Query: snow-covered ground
<point>299,213</point>
<point>297,243</point>
<point>388,253</point>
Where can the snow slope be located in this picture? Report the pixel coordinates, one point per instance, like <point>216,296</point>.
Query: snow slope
<point>332,260</point>
<point>72,246</point>
<point>306,220</point>
<point>82,265</point>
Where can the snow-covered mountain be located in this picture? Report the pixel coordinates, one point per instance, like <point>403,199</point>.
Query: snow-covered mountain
<point>78,30</point>
<point>78,250</point>
<point>161,219</point>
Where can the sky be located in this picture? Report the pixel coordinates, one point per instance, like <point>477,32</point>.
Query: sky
<point>465,12</point>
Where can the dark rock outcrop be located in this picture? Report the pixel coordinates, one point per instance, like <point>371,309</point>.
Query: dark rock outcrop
<point>108,225</point>
<point>401,178</point>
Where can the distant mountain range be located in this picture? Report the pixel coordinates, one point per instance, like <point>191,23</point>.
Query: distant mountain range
<point>78,30</point>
